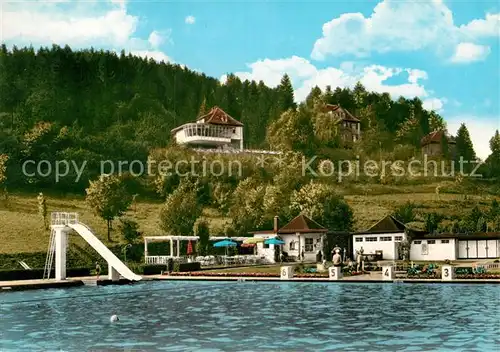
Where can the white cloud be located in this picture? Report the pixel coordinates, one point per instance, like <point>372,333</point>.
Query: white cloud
<point>400,26</point>
<point>489,26</point>
<point>481,129</point>
<point>305,76</point>
<point>190,20</point>
<point>104,25</point>
<point>435,104</point>
<point>470,52</point>
<point>155,39</point>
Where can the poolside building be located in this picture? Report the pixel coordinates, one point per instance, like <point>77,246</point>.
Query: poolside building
<point>453,246</point>
<point>214,130</point>
<point>302,236</point>
<point>382,240</point>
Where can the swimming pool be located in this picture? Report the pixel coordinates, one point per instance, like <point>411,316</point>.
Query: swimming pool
<point>251,316</point>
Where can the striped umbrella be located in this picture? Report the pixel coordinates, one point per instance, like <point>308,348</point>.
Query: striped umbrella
<point>190,248</point>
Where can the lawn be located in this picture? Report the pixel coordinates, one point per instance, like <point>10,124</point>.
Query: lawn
<point>21,227</point>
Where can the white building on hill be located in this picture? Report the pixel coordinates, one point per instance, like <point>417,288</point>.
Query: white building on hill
<point>215,130</point>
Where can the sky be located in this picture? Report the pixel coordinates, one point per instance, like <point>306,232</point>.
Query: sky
<point>447,53</point>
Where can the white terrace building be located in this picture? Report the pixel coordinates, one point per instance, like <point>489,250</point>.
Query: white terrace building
<point>215,130</point>
<point>381,239</point>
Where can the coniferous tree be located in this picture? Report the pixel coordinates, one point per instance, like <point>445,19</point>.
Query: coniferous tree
<point>286,99</point>
<point>493,161</point>
<point>464,148</point>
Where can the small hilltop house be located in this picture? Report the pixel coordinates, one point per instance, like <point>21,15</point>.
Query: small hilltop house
<point>350,124</point>
<point>433,143</point>
<point>301,235</point>
<point>214,130</point>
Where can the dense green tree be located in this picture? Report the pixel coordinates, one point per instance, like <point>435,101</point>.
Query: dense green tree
<point>321,203</point>
<point>202,230</point>
<point>464,147</point>
<point>493,161</point>
<point>286,98</point>
<point>129,230</point>
<point>406,212</point>
<point>181,210</point>
<point>108,198</point>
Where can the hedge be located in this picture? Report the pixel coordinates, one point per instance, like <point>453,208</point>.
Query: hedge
<point>77,257</point>
<point>21,274</point>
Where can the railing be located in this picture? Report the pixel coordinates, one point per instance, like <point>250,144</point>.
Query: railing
<point>62,218</point>
<point>162,259</point>
<point>489,266</point>
<point>206,130</point>
<point>230,151</point>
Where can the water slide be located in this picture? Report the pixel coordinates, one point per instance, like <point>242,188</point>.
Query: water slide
<point>104,251</point>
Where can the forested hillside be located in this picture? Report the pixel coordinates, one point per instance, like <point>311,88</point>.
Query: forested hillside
<point>94,105</point>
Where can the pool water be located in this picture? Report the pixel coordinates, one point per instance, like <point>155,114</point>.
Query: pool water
<point>253,316</point>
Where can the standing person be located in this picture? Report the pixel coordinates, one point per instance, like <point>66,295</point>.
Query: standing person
<point>97,270</point>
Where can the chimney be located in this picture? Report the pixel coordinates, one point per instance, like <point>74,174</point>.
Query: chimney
<point>276,224</point>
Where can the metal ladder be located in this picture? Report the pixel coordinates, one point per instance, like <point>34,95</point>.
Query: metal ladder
<point>50,255</point>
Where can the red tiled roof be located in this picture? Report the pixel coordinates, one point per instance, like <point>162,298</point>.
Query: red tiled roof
<point>217,116</point>
<point>302,224</point>
<point>435,137</point>
<point>388,224</point>
<point>336,107</point>
<point>299,224</point>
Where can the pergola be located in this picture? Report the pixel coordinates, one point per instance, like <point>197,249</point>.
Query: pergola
<point>162,259</point>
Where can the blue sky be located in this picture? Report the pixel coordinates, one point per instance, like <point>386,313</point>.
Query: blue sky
<point>446,53</point>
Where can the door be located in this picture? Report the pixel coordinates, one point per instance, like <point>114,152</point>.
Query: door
<point>492,249</point>
<point>462,249</point>
<point>481,249</point>
<point>472,249</point>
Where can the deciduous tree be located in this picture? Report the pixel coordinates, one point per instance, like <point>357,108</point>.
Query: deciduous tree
<point>108,198</point>
<point>180,211</point>
<point>320,202</point>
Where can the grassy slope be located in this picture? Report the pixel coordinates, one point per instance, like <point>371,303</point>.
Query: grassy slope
<point>21,227</point>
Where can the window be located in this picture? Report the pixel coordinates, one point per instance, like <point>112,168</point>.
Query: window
<point>371,239</point>
<point>309,245</point>
<point>445,241</point>
<point>386,238</point>
<point>293,245</point>
<point>398,238</point>
<point>431,241</point>
<point>265,245</point>
<point>417,242</point>
<point>359,239</point>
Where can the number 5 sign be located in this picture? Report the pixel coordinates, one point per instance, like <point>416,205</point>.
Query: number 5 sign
<point>335,273</point>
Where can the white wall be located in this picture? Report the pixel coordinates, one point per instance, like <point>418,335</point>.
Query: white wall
<point>388,248</point>
<point>288,238</point>
<point>436,251</point>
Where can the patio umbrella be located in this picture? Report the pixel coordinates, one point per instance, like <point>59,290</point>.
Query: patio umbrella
<point>190,248</point>
<point>275,241</point>
<point>225,243</point>
<point>253,240</point>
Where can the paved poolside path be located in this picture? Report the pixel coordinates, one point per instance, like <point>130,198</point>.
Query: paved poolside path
<point>6,286</point>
